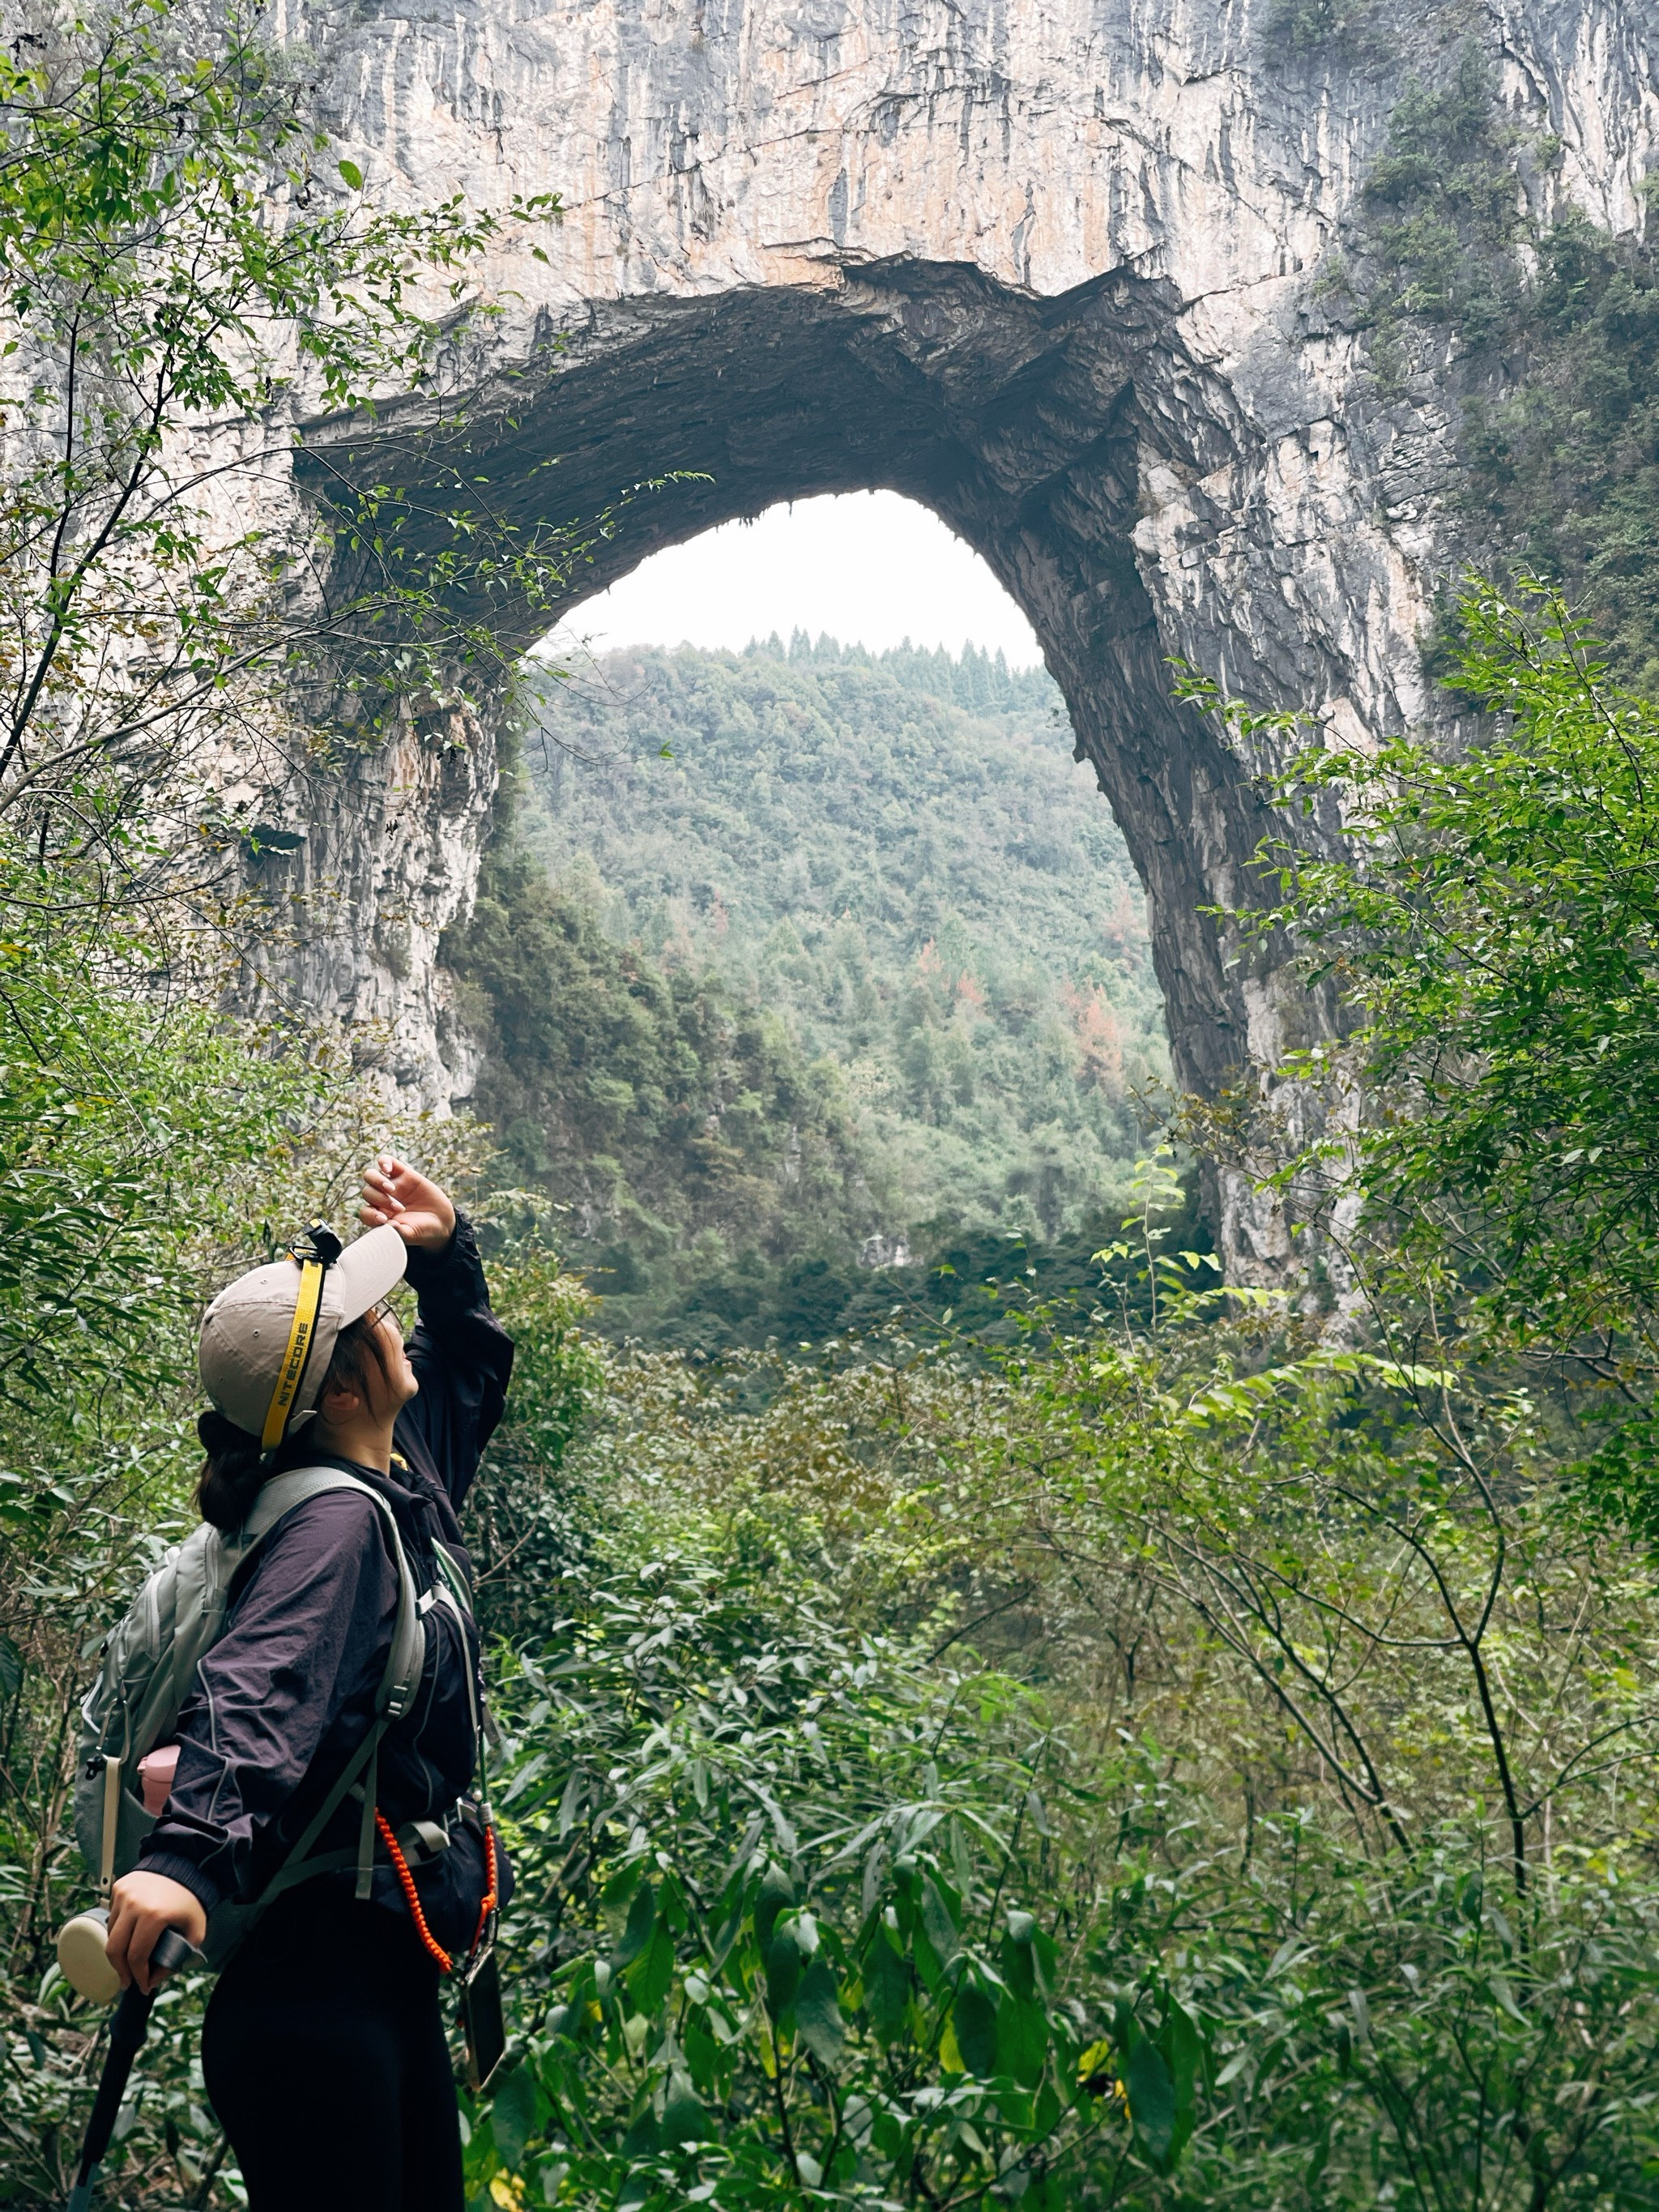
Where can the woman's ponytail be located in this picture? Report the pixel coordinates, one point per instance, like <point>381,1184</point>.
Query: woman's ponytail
<point>234,1475</point>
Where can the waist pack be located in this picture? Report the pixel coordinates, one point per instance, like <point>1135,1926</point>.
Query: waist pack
<point>150,1659</point>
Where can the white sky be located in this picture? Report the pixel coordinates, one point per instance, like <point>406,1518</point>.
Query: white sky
<point>870,568</point>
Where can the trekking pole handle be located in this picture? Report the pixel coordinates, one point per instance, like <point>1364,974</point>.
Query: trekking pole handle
<point>171,1951</point>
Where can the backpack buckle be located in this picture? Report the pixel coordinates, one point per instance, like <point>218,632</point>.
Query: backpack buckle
<point>421,1842</point>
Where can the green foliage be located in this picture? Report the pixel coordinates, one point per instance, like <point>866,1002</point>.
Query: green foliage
<point>1565,463</point>
<point>1213,1878</point>
<point>127,177</point>
<point>1443,211</point>
<point>522,1530</point>
<point>1463,227</point>
<point>652,1099</point>
<point>785,1920</point>
<point>936,916</point>
<point>1496,930</point>
<point>1304,27</point>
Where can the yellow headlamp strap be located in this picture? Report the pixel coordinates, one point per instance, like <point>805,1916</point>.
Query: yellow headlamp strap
<point>300,1339</point>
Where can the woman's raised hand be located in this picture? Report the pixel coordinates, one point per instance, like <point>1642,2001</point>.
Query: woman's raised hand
<point>420,1212</point>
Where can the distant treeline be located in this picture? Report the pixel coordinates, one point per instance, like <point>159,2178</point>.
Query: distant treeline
<point>982,682</point>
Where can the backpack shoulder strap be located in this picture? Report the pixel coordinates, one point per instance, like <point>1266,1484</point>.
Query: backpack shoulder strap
<point>459,1589</point>
<point>280,1495</point>
<point>457,1593</point>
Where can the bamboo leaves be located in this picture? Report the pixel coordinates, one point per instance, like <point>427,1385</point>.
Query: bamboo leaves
<point>1160,2079</point>
<point>887,1986</point>
<point>641,1923</point>
<point>863,2003</point>
<point>974,2020</point>
<point>818,2015</point>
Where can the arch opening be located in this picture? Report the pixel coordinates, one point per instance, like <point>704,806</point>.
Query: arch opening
<point>808,951</point>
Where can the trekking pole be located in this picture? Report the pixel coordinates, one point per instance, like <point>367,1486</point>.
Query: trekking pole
<point>126,2037</point>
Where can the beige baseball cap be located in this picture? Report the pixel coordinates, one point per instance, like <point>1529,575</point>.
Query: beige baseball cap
<point>268,1337</point>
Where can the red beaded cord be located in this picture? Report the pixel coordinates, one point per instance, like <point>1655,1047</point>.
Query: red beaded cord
<point>406,1880</point>
<point>412,1895</point>
<point>489,1896</point>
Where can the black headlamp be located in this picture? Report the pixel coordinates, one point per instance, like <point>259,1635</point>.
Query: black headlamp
<point>318,1243</point>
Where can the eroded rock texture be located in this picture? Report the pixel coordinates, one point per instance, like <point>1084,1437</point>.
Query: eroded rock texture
<point>1051,268</point>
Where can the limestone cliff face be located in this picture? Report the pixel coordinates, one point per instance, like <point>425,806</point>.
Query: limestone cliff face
<point>355,874</point>
<point>1051,268</point>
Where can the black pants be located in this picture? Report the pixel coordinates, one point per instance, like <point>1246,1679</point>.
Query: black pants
<point>324,2059</point>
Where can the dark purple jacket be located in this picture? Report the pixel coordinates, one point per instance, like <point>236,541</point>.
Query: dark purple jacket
<point>287,1694</point>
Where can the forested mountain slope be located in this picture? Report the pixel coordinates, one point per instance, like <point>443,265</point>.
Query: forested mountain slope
<point>805,954</point>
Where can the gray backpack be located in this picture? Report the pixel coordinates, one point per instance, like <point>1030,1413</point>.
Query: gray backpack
<point>150,1659</point>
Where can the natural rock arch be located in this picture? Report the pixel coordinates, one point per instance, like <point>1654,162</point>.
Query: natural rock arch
<point>1014,420</point>
<point>1050,271</point>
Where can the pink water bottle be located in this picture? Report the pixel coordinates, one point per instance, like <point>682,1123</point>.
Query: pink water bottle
<point>155,1772</point>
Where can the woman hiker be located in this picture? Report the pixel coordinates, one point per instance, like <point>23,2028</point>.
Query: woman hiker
<point>322,2048</point>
